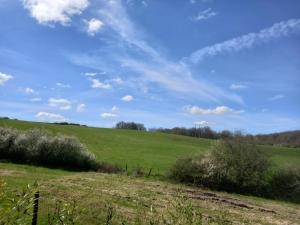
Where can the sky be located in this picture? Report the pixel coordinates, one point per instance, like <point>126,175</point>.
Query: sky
<point>225,64</point>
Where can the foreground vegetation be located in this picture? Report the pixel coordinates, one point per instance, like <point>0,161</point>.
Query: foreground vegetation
<point>134,200</point>
<point>39,147</point>
<point>235,166</point>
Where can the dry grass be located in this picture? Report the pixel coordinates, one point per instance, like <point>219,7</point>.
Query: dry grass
<point>131,196</point>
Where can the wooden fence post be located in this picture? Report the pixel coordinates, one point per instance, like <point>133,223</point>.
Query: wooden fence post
<point>35,208</point>
<point>149,172</point>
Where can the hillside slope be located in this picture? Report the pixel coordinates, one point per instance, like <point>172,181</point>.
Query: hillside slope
<point>149,150</point>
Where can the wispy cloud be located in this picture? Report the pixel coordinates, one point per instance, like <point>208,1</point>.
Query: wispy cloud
<point>80,108</point>
<point>108,115</point>
<point>50,117</point>
<point>4,78</point>
<point>60,103</point>
<point>219,110</point>
<point>115,109</point>
<point>237,86</point>
<point>90,74</point>
<point>277,97</point>
<point>116,80</point>
<point>147,63</point>
<point>49,12</point>
<point>58,84</point>
<point>141,3</point>
<point>203,123</point>
<point>204,15</point>
<point>281,29</point>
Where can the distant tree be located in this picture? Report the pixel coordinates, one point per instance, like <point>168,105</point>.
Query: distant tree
<point>130,126</point>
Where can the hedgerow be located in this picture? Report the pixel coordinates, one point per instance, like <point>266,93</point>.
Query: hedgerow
<point>39,147</point>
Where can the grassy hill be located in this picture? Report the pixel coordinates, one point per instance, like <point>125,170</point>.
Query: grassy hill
<point>148,150</point>
<point>135,198</point>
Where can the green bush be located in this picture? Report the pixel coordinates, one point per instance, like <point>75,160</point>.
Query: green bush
<point>238,167</point>
<point>7,137</point>
<point>231,166</point>
<point>63,150</point>
<point>285,185</point>
<point>187,170</point>
<point>40,148</point>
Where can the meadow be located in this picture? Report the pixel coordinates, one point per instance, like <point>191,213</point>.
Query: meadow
<point>148,150</point>
<point>143,200</point>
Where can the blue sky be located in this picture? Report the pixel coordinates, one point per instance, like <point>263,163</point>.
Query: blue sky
<point>226,64</point>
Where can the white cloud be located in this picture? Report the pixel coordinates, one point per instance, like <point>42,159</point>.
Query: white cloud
<point>108,115</point>
<point>80,108</point>
<point>48,12</point>
<point>45,116</point>
<point>202,123</point>
<point>277,97</point>
<point>90,74</point>
<point>127,98</point>
<point>94,26</point>
<point>4,78</point>
<point>204,15</point>
<point>61,103</point>
<point>237,86</point>
<point>63,85</point>
<point>30,91</point>
<point>112,114</point>
<point>98,84</point>
<point>35,99</point>
<point>115,109</point>
<point>278,30</point>
<point>219,110</point>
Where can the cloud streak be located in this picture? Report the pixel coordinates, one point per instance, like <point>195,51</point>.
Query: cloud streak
<point>147,63</point>
<point>60,103</point>
<point>108,115</point>
<point>237,86</point>
<point>204,15</point>
<point>45,116</point>
<point>219,110</point>
<point>281,29</point>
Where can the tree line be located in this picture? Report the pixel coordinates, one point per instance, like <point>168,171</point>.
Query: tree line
<point>288,139</point>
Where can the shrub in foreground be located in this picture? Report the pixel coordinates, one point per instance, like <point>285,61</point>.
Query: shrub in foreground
<point>40,148</point>
<point>285,184</point>
<point>230,166</point>
<point>238,167</point>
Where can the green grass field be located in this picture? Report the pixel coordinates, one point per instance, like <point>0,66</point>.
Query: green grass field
<point>148,150</point>
<point>131,196</point>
